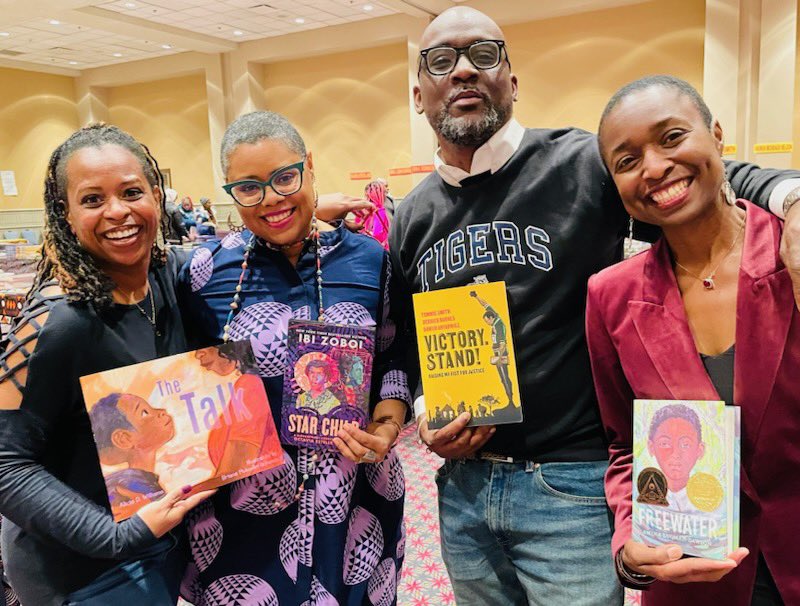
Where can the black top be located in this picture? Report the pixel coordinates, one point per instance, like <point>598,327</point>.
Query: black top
<point>720,371</point>
<point>59,534</point>
<point>543,223</point>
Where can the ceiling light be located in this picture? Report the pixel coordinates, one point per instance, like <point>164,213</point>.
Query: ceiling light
<point>117,54</point>
<point>54,22</point>
<point>5,34</point>
<point>166,46</point>
<point>238,33</point>
<point>300,21</point>
<point>73,63</point>
<point>368,7</point>
<point>130,5</point>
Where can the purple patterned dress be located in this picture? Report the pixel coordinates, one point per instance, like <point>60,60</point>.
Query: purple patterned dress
<point>343,542</point>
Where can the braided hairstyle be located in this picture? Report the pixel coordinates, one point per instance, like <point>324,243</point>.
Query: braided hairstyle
<point>63,258</point>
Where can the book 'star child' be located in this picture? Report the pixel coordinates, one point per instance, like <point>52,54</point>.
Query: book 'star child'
<point>327,382</point>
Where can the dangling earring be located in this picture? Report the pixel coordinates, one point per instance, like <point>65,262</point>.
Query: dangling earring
<point>728,193</point>
<point>160,246</point>
<point>629,246</point>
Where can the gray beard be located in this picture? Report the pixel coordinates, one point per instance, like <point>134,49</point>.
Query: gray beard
<point>466,132</point>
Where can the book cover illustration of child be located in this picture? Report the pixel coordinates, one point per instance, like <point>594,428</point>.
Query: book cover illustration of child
<point>679,476</point>
<point>199,418</point>
<point>327,382</point>
<point>129,431</point>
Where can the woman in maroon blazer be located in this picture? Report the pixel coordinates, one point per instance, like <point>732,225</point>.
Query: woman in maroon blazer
<point>706,314</point>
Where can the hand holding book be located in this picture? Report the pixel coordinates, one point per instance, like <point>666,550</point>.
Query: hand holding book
<point>666,563</point>
<point>455,440</point>
<point>163,515</point>
<point>372,445</point>
<point>357,444</point>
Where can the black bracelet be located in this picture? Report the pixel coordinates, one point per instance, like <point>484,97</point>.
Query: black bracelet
<point>628,575</point>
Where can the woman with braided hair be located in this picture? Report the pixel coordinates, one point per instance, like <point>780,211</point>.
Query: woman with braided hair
<point>103,298</point>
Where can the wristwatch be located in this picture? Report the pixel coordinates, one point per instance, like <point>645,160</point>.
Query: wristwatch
<point>792,197</point>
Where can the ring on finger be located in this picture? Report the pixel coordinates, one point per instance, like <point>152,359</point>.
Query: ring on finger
<point>369,457</point>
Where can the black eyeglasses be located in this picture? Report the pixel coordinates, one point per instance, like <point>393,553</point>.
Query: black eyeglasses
<point>284,182</point>
<point>483,54</point>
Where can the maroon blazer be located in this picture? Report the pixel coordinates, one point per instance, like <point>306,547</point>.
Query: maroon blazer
<point>641,347</point>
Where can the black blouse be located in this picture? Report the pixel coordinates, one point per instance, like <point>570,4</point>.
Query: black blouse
<point>59,535</point>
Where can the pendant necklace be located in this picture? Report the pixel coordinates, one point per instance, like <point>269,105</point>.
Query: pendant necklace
<point>708,281</point>
<point>313,237</point>
<point>151,317</point>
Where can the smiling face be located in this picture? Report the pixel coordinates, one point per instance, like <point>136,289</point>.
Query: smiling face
<point>468,105</point>
<point>664,159</point>
<point>111,208</point>
<point>280,220</point>
<point>676,447</point>
<point>152,427</point>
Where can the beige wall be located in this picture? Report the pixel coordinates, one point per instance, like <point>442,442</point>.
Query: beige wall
<point>352,110</point>
<point>171,118</point>
<point>352,107</point>
<point>570,66</point>
<point>37,113</point>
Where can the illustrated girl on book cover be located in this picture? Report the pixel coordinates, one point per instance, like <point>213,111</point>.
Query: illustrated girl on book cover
<point>318,374</point>
<point>244,432</point>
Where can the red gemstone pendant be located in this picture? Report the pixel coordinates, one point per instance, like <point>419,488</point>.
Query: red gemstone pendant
<point>708,283</point>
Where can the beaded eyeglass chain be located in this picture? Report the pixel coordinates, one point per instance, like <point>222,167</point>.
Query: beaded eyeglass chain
<point>313,237</point>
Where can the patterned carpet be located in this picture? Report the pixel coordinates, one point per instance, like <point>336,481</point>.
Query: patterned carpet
<point>424,581</point>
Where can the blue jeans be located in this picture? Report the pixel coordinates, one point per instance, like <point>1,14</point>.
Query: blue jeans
<point>527,533</point>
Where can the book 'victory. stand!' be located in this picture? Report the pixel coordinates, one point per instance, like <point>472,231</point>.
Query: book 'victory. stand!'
<point>200,418</point>
<point>327,382</point>
<point>686,475</point>
<point>466,354</point>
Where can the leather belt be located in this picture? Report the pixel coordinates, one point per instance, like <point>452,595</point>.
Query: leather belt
<point>497,458</point>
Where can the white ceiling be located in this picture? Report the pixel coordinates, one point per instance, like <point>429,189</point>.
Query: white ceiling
<point>67,36</point>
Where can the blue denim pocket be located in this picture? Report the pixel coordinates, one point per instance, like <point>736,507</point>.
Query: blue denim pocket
<point>575,482</point>
<point>447,469</point>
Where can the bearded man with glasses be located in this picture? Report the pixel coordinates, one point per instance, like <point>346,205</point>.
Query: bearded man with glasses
<point>522,509</point>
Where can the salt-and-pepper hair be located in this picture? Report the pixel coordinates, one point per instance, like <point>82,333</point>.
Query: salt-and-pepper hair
<point>256,126</point>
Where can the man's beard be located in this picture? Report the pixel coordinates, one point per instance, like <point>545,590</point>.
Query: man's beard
<point>465,131</point>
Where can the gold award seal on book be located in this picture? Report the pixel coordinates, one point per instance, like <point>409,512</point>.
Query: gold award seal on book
<point>652,485</point>
<point>704,491</point>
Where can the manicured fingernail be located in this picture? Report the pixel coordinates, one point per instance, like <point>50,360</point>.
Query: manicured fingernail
<point>186,489</point>
<point>674,553</point>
